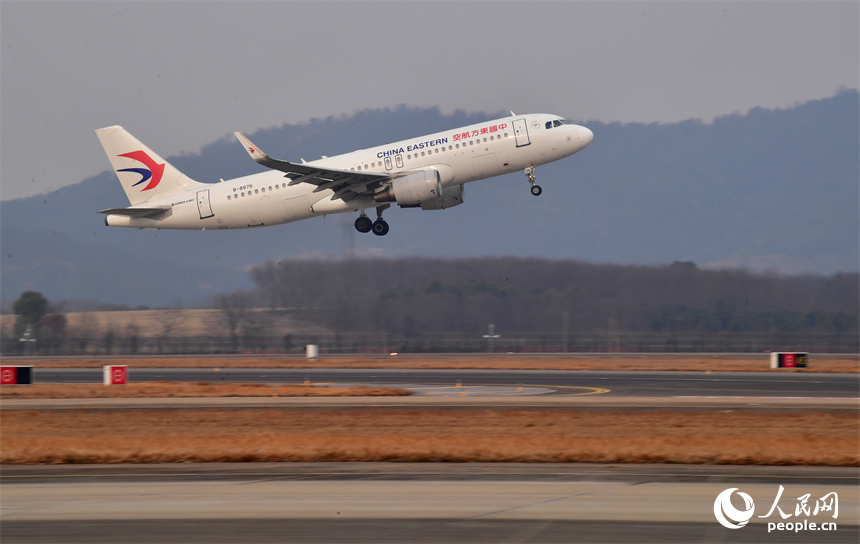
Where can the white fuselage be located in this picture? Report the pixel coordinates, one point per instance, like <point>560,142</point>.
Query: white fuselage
<point>462,155</point>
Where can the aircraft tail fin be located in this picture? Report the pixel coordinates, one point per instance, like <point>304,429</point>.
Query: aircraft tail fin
<point>143,174</point>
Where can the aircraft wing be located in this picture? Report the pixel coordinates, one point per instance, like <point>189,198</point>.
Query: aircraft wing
<point>150,213</point>
<point>346,184</point>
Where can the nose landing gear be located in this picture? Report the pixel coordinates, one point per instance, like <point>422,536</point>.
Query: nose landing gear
<point>379,227</point>
<point>530,174</point>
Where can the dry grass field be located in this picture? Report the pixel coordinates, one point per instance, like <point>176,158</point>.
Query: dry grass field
<point>752,363</point>
<point>151,323</point>
<point>426,435</point>
<point>183,389</point>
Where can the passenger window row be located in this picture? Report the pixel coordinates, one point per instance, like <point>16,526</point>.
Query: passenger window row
<point>450,148</point>
<point>256,191</point>
<point>409,157</point>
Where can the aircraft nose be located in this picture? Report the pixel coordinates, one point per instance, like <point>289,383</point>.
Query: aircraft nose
<point>585,136</point>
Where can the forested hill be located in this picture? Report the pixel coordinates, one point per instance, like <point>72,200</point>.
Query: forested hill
<point>769,189</point>
<point>430,296</point>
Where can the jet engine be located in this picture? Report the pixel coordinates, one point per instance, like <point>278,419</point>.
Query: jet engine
<point>451,196</point>
<point>413,190</point>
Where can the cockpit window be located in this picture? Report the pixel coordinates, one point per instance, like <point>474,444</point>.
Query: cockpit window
<point>557,123</point>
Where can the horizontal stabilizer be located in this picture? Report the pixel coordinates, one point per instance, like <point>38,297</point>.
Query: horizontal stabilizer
<point>149,213</point>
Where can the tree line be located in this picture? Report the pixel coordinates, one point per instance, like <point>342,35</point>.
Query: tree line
<point>427,304</point>
<point>527,295</point>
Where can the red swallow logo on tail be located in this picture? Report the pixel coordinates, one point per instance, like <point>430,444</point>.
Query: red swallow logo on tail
<point>152,172</point>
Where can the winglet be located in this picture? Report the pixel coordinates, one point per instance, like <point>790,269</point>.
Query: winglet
<point>256,153</point>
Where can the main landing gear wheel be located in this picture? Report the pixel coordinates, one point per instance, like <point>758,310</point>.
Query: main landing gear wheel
<point>380,227</point>
<point>536,190</point>
<point>363,224</point>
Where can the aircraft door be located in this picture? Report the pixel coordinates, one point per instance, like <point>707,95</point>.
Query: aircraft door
<point>521,132</point>
<point>388,163</point>
<point>203,205</point>
<point>399,160</point>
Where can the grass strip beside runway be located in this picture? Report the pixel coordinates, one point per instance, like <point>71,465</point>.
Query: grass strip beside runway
<point>163,389</point>
<point>213,435</point>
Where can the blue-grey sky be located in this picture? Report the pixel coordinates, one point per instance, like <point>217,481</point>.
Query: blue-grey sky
<point>180,75</point>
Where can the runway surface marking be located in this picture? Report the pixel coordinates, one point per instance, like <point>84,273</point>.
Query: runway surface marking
<point>482,390</point>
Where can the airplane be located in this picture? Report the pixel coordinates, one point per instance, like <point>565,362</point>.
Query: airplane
<point>427,172</point>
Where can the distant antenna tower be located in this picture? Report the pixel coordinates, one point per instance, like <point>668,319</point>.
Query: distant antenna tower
<point>348,240</point>
<point>490,337</point>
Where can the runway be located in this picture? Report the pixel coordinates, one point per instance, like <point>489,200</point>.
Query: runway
<point>429,503</point>
<point>615,383</point>
<point>486,389</point>
<point>370,502</point>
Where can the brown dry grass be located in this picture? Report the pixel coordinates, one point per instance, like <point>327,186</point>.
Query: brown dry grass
<point>428,435</point>
<point>181,389</point>
<point>753,363</point>
<point>150,323</point>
